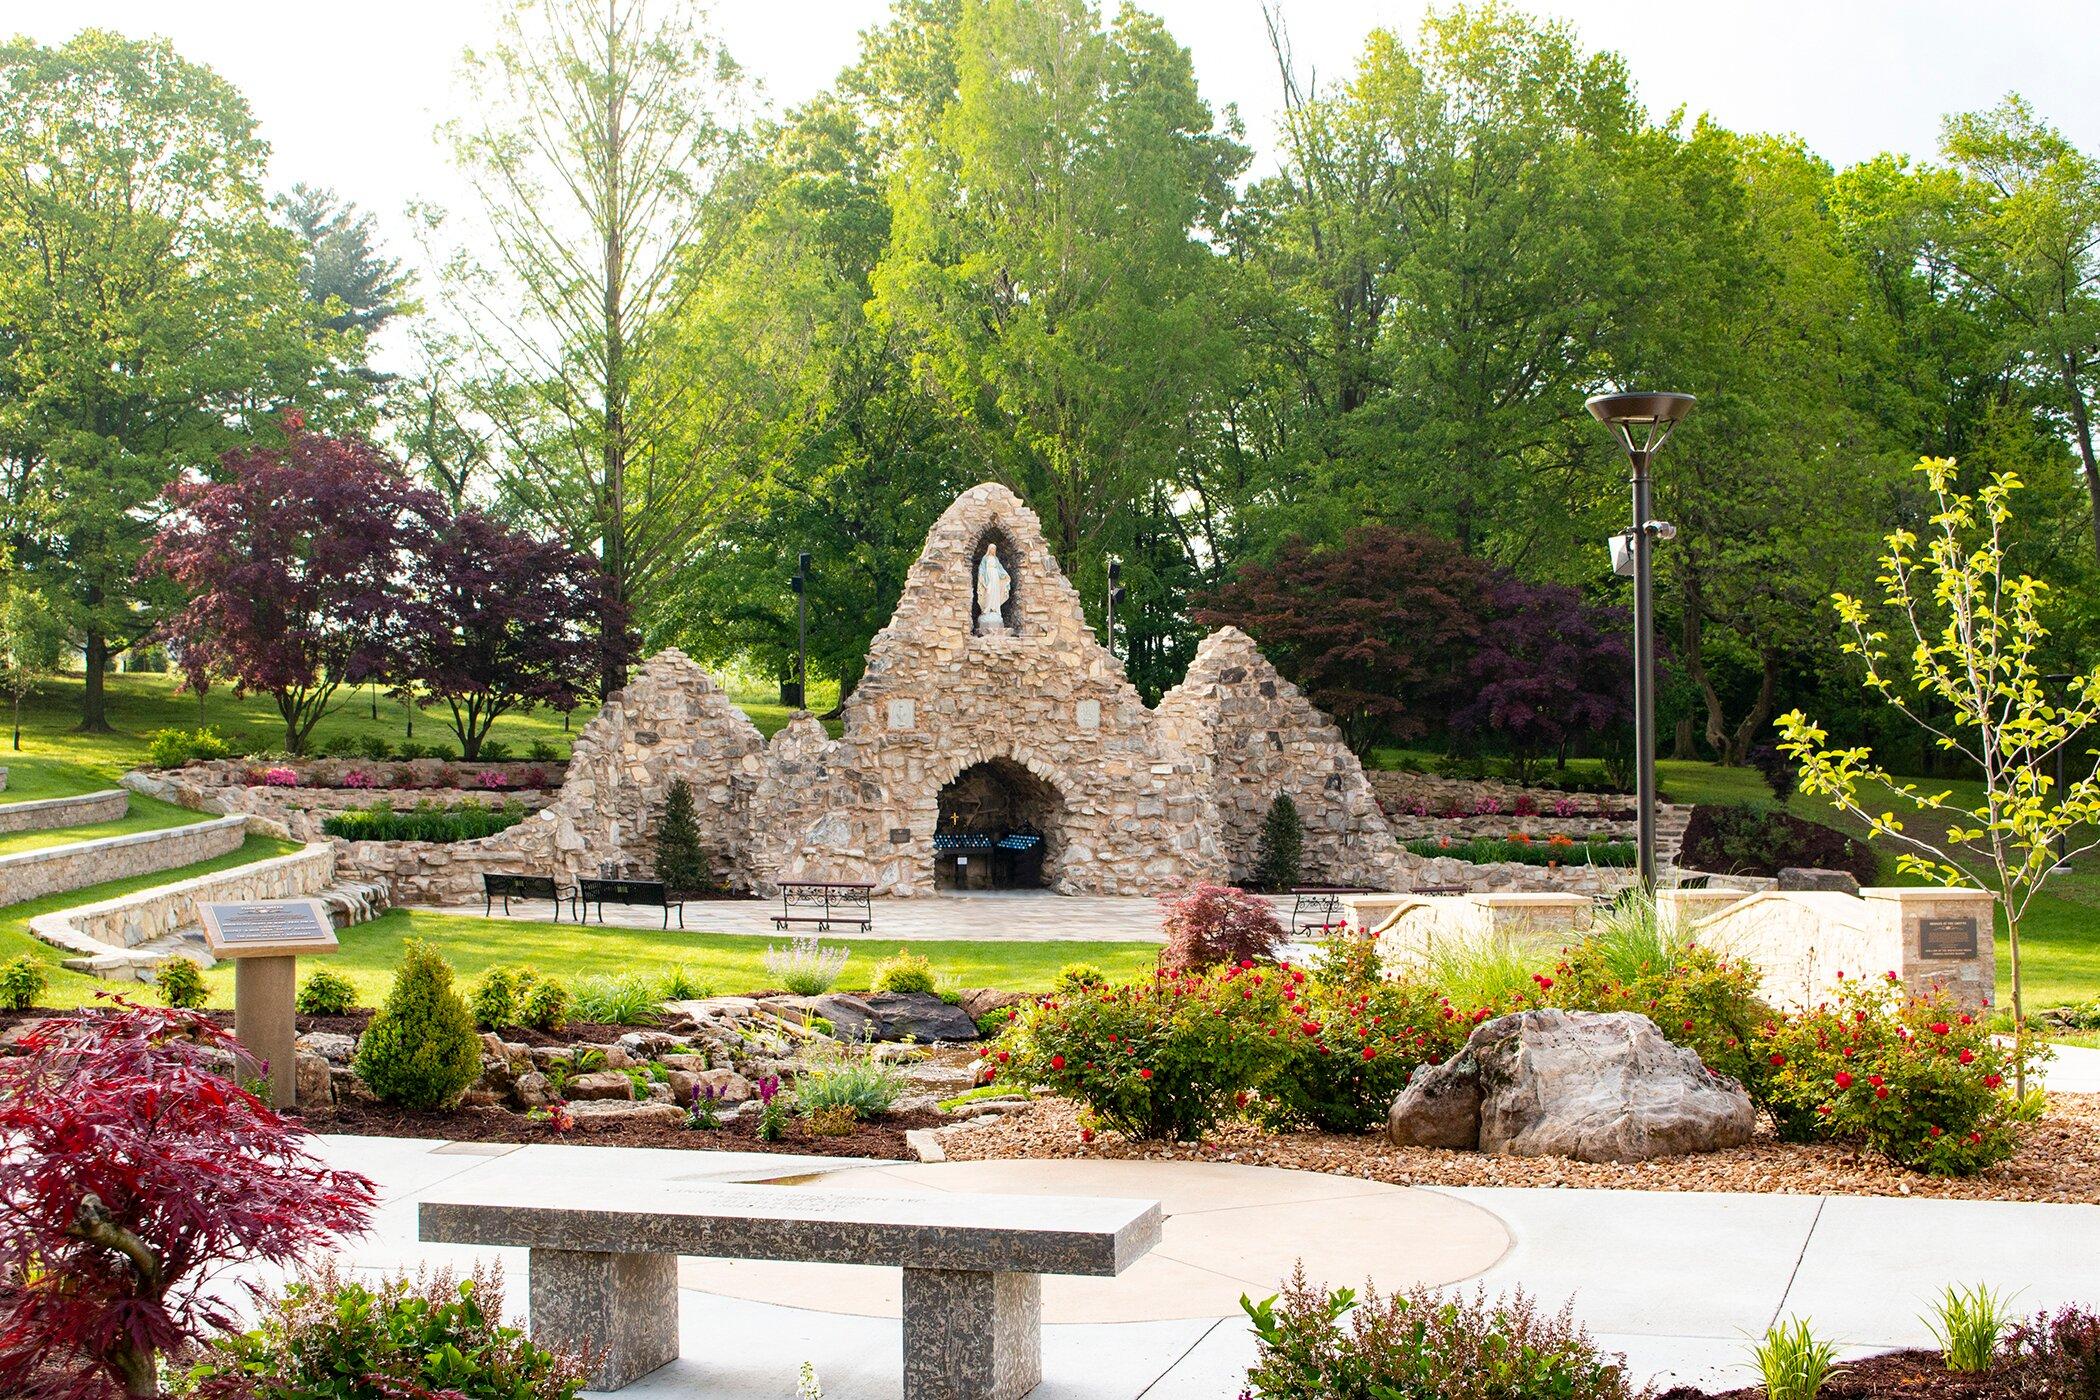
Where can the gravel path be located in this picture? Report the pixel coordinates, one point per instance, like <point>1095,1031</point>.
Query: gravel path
<point>2059,1160</point>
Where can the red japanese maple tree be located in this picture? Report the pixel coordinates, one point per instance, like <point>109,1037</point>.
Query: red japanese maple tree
<point>136,1172</point>
<point>294,564</point>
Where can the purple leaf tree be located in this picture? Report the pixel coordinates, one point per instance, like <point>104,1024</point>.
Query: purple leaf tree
<point>1547,667</point>
<point>507,622</point>
<point>294,564</point>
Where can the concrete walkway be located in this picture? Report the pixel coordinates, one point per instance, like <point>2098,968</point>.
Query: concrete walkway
<point>1676,1281</point>
<point>1022,916</point>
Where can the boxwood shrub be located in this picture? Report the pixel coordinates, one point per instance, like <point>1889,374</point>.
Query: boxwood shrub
<point>426,821</point>
<point>1530,851</point>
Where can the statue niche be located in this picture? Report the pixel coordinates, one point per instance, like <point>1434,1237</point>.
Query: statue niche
<point>992,601</point>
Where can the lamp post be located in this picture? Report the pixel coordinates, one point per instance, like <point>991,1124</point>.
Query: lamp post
<point>1115,596</point>
<point>800,583</point>
<point>1643,423</point>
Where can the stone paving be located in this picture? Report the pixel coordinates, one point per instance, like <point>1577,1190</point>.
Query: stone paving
<point>1677,1281</point>
<point>1020,916</point>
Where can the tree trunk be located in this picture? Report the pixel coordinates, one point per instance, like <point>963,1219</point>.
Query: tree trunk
<point>612,672</point>
<point>94,699</point>
<point>2082,424</point>
<point>1681,745</point>
<point>1736,752</point>
<point>2019,1010</point>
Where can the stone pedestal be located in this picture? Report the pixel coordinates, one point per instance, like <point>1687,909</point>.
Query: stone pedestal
<point>971,1336</point>
<point>263,990</point>
<point>623,1306</point>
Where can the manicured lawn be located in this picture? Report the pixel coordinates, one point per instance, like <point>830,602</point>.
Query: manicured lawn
<point>69,988</point>
<point>30,779</point>
<point>727,963</point>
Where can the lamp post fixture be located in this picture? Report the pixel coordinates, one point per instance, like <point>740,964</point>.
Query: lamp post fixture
<point>800,583</point>
<point>1115,596</point>
<point>1643,423</point>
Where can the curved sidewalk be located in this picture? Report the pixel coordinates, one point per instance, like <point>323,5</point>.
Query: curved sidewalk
<point>1678,1281</point>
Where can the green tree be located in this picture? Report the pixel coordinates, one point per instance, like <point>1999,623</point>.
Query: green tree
<point>680,862</point>
<point>152,311</point>
<point>1952,646</point>
<point>343,271</point>
<point>601,130</point>
<point>1282,840</point>
<point>32,643</point>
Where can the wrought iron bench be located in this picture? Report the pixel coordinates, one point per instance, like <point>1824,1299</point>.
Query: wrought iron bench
<point>1320,906</point>
<point>650,893</point>
<point>509,887</point>
<point>832,901</point>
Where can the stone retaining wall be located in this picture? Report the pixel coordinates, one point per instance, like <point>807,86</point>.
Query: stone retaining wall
<point>52,813</point>
<point>56,869</point>
<point>301,810</point>
<point>134,919</point>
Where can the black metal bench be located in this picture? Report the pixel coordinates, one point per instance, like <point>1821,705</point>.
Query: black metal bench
<point>509,887</point>
<point>650,893</point>
<point>830,901</point>
<point>1320,906</point>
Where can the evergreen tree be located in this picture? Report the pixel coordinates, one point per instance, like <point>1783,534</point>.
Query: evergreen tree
<point>342,263</point>
<point>680,862</point>
<point>421,1050</point>
<point>1282,840</point>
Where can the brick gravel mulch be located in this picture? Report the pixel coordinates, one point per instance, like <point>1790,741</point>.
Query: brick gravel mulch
<point>2059,1159</point>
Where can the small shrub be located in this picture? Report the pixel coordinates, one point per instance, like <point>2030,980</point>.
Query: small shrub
<point>805,967</point>
<point>426,821</point>
<point>1523,850</point>
<point>374,748</point>
<point>1915,1078</point>
<point>1077,977</point>
<point>493,751</point>
<point>1316,1345</point>
<point>325,993</point>
<point>679,984</point>
<point>1793,1361</point>
<point>1747,839</point>
<point>616,1001</point>
<point>22,980</point>
<point>493,780</point>
<point>1776,769</point>
<point>865,1088</point>
<point>1282,841</point>
<point>1968,1324</point>
<point>1165,1060</point>
<point>498,998</point>
<point>1348,1048</point>
<point>331,1337</point>
<point>906,972</point>
<point>990,1025</point>
<point>680,862</point>
<point>280,776</point>
<point>822,1025</point>
<point>168,748</point>
<point>359,779</point>
<point>409,750</point>
<point>1207,925</point>
<point>546,1006</point>
<point>2065,1348</point>
<point>541,751</point>
<point>837,1121</point>
<point>420,1050</point>
<point>181,983</point>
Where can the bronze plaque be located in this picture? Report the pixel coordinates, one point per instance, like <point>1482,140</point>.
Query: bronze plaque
<point>261,928</point>
<point>1947,938</point>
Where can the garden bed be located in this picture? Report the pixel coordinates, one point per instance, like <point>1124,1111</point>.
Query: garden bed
<point>1913,1375</point>
<point>2058,1160</point>
<point>880,1137</point>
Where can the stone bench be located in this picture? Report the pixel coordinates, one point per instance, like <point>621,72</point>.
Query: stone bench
<point>603,1267</point>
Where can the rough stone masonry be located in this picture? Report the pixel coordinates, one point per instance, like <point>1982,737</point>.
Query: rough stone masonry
<point>1129,799</point>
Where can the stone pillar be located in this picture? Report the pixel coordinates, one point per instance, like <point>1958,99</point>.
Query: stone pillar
<point>263,990</point>
<point>623,1306</point>
<point>971,1336</point>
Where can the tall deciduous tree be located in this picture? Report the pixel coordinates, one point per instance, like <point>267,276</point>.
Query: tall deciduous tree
<point>293,568</point>
<point>151,310</point>
<point>502,621</point>
<point>602,126</point>
<point>1549,668</point>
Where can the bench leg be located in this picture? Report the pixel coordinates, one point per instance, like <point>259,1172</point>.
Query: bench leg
<point>972,1336</point>
<point>625,1306</point>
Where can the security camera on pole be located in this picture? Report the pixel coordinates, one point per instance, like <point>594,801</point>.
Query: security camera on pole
<point>1642,423</point>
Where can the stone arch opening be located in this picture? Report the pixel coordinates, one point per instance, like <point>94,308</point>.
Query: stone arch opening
<point>999,828</point>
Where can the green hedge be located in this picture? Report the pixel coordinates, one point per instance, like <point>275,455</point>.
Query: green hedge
<point>1488,851</point>
<point>426,821</point>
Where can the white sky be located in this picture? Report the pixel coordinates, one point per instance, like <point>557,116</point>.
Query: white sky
<point>348,94</point>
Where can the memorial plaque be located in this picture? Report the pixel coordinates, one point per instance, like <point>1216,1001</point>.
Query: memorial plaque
<point>267,928</point>
<point>1947,938</point>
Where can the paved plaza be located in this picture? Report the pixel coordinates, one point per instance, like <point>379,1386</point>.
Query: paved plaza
<point>1678,1281</point>
<point>1021,916</point>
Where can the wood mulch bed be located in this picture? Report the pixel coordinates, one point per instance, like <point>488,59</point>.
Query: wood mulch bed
<point>2058,1160</point>
<point>1909,1375</point>
<point>882,1137</point>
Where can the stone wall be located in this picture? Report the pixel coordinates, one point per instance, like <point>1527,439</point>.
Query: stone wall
<point>301,810</point>
<point>56,869</point>
<point>51,813</point>
<point>134,919</point>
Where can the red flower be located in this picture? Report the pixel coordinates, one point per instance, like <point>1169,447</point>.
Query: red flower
<point>990,1075</point>
<point>1934,1130</point>
<point>1687,1025</point>
<point>1844,1080</point>
<point>1144,1074</point>
<point>1992,1081</point>
<point>1057,1062</point>
<point>1004,1057</point>
<point>1369,1053</point>
<point>1940,1028</point>
<point>1881,1093</point>
<point>1086,1134</point>
<point>1777,1059</point>
<point>1967,1057</point>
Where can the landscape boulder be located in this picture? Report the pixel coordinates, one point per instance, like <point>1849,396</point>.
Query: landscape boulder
<point>919,1016</point>
<point>1808,878</point>
<point>597,1114</point>
<point>332,1046</point>
<point>1594,1086</point>
<point>316,1088</point>
<point>600,1084</point>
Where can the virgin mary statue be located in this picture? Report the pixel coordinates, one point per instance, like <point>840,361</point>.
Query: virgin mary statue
<point>994,587</point>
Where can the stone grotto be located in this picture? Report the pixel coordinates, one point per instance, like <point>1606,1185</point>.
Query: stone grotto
<point>993,741</point>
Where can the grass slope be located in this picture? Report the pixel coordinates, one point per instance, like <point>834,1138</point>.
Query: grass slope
<point>70,988</point>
